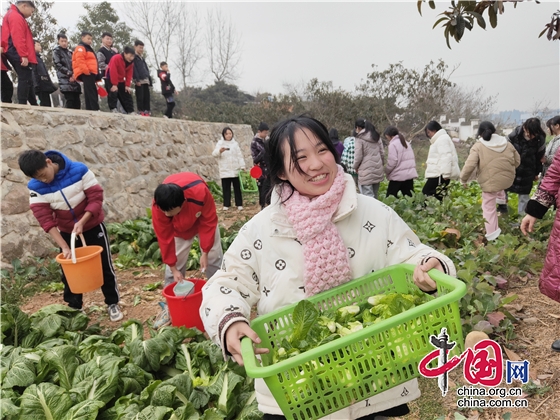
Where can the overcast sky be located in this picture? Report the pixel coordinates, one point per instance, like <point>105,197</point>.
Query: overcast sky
<point>338,42</point>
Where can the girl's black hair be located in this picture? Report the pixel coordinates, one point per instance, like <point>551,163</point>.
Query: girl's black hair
<point>432,126</point>
<point>394,131</point>
<point>369,127</point>
<point>533,126</point>
<point>169,196</point>
<point>225,130</point>
<point>485,130</point>
<point>553,121</point>
<point>285,131</point>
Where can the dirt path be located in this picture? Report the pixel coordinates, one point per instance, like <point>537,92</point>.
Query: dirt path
<point>539,325</point>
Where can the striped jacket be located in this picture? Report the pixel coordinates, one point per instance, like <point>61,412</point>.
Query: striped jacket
<point>62,202</point>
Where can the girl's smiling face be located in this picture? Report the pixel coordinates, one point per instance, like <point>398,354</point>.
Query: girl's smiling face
<point>228,135</point>
<point>316,161</point>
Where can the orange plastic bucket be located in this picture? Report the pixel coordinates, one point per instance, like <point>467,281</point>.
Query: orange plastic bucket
<point>184,310</point>
<point>83,271</point>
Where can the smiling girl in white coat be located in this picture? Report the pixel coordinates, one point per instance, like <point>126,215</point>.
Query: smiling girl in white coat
<point>317,233</point>
<point>230,161</point>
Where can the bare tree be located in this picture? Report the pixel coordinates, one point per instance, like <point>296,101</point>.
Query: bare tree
<point>188,43</point>
<point>223,45</point>
<point>468,103</point>
<point>157,23</point>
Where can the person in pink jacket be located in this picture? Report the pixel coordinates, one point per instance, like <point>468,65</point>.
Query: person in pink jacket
<point>546,195</point>
<point>401,164</point>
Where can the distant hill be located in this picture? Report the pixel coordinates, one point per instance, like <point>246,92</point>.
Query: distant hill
<point>516,117</point>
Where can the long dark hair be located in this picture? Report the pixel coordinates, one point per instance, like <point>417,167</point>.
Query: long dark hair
<point>394,131</point>
<point>369,127</point>
<point>432,126</point>
<point>533,127</point>
<point>553,121</point>
<point>485,130</point>
<point>284,131</point>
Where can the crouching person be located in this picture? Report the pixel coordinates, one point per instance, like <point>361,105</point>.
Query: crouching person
<point>183,208</point>
<point>66,198</point>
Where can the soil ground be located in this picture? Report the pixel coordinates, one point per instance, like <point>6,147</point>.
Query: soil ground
<point>538,327</point>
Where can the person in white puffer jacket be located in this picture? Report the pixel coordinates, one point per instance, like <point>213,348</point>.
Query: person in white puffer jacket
<point>277,258</point>
<point>230,161</point>
<point>442,164</point>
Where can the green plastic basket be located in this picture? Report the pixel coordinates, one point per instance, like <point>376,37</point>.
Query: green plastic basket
<point>338,374</point>
<point>253,187</point>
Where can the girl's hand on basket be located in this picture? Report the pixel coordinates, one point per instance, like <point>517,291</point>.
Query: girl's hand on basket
<point>421,277</point>
<point>233,337</point>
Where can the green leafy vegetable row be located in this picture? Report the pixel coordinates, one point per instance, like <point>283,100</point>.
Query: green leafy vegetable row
<point>53,367</point>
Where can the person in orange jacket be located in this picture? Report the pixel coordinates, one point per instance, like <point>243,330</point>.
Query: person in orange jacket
<point>86,70</point>
<point>19,49</point>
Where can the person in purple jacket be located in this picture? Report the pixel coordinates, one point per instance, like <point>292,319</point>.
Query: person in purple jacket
<point>338,145</point>
<point>401,164</point>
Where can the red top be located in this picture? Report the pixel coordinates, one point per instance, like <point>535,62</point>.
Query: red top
<point>16,30</point>
<point>197,216</point>
<point>118,70</point>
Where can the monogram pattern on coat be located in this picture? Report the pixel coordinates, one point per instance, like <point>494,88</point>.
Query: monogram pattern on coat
<point>246,254</point>
<point>256,278</point>
<point>369,226</point>
<point>224,265</point>
<point>243,295</point>
<point>207,311</point>
<point>405,392</point>
<point>225,290</point>
<point>297,240</point>
<point>389,243</point>
<point>232,308</point>
<point>302,288</point>
<point>351,252</point>
<point>243,228</point>
<point>266,291</point>
<point>280,265</point>
<point>410,243</point>
<point>258,244</point>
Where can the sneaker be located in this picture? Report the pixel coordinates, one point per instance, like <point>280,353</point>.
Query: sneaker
<point>503,208</point>
<point>115,111</point>
<point>163,319</point>
<point>239,208</point>
<point>115,313</point>
<point>165,116</point>
<point>225,208</point>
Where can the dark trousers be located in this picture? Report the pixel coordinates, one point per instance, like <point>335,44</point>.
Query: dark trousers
<point>226,188</point>
<point>112,97</point>
<point>95,236</point>
<point>45,99</point>
<point>264,189</point>
<point>436,187</point>
<point>7,88</point>
<point>72,100</point>
<point>123,96</point>
<point>25,90</point>
<point>399,410</point>
<point>90,92</point>
<point>405,187</point>
<point>170,106</point>
<point>143,98</point>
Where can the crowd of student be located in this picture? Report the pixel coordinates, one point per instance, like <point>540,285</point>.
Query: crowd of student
<point>81,70</point>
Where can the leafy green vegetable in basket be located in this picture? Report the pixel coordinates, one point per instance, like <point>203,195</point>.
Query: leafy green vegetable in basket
<point>247,181</point>
<point>312,328</point>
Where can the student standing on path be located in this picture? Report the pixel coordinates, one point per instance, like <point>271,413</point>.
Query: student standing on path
<point>142,80</point>
<point>20,52</point>
<point>230,162</point>
<point>369,158</point>
<point>494,160</point>
<point>104,55</point>
<point>42,82</point>
<point>442,164</point>
<point>167,88</point>
<point>401,164</point>
<point>66,198</point>
<point>529,140</point>
<point>118,78</point>
<point>258,153</point>
<point>84,64</point>
<point>6,85</point>
<point>67,84</point>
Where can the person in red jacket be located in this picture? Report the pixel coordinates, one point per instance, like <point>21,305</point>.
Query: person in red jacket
<point>183,208</point>
<point>17,37</point>
<point>84,65</point>
<point>118,77</point>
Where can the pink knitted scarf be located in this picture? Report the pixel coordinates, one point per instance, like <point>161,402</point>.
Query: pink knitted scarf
<point>326,258</point>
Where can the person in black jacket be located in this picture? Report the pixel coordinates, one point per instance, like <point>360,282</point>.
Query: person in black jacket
<point>42,82</point>
<point>529,140</point>
<point>71,89</point>
<point>104,55</point>
<point>142,80</point>
<point>167,88</point>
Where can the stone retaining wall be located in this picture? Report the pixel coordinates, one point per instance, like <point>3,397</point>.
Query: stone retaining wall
<point>130,155</point>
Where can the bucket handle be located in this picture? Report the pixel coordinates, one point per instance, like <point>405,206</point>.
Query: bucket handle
<point>73,245</point>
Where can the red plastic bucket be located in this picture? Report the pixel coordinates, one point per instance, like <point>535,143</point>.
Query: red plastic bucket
<point>184,310</point>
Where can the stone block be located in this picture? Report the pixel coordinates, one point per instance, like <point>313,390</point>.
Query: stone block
<point>15,175</point>
<point>94,138</point>
<point>16,200</point>
<point>10,138</point>
<point>136,185</point>
<point>114,138</point>
<point>12,246</point>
